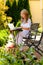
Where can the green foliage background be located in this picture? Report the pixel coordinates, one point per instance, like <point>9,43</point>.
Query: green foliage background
<point>16,7</point>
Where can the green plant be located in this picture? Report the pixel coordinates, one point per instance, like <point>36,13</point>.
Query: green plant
<point>17,25</point>
<point>4,19</point>
<point>3,61</point>
<point>6,58</point>
<point>12,11</point>
<point>18,57</point>
<point>3,36</point>
<point>41,61</point>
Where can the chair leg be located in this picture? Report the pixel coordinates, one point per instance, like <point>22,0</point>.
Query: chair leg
<point>40,39</point>
<point>39,49</point>
<point>36,47</point>
<point>42,33</point>
<point>38,52</point>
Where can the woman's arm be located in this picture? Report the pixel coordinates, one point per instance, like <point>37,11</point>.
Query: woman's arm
<point>25,28</point>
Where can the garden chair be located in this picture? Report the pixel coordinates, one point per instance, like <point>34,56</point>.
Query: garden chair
<point>34,38</point>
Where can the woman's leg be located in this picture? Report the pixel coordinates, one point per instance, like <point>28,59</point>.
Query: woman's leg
<point>19,38</point>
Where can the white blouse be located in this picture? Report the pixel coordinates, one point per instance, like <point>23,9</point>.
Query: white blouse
<point>26,25</point>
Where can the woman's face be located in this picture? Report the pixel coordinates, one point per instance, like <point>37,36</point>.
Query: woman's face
<point>23,16</point>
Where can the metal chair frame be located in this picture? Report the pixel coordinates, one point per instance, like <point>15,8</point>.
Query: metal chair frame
<point>34,28</point>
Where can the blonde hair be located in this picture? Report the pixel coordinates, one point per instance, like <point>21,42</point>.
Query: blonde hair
<point>24,11</point>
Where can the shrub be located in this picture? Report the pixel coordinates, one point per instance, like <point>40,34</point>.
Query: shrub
<point>3,37</point>
<point>17,25</point>
<point>18,57</point>
<point>3,16</point>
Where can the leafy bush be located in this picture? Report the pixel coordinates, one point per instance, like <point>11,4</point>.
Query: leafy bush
<point>3,61</point>
<point>3,37</point>
<point>6,58</point>
<point>18,57</point>
<point>4,19</point>
<point>17,25</point>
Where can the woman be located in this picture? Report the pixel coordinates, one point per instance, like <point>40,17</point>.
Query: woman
<point>25,25</point>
